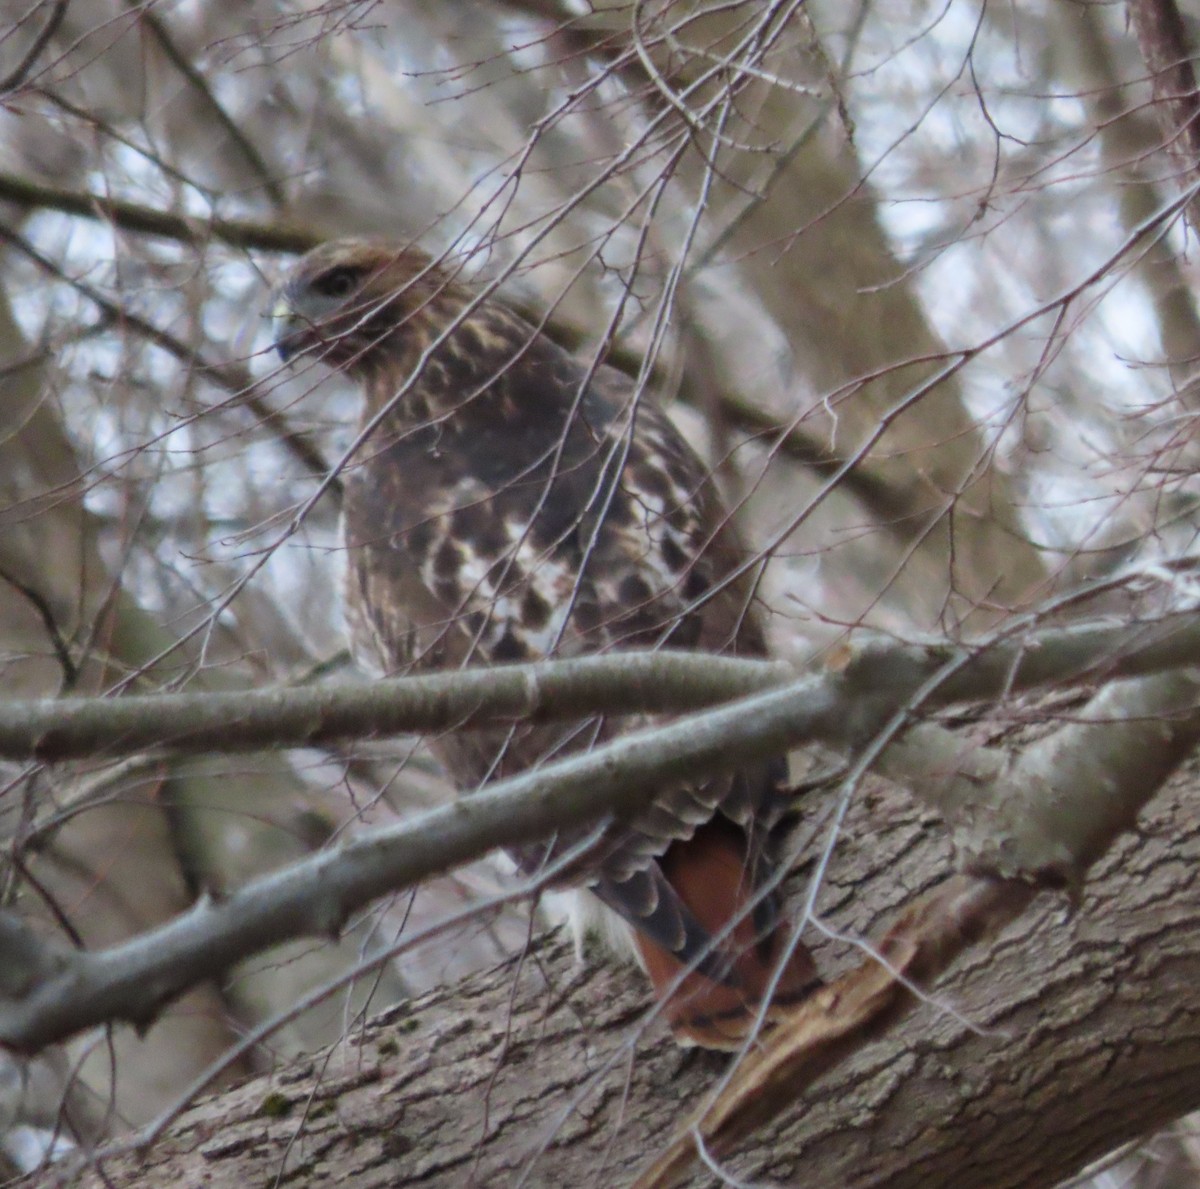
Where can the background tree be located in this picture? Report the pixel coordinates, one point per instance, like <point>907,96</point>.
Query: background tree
<point>915,281</point>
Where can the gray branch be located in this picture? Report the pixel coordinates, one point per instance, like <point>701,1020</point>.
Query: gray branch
<point>133,980</point>
<point>1058,809</point>
<point>865,667</point>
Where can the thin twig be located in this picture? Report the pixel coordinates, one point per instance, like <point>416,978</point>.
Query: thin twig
<point>185,66</point>
<point>19,72</point>
<point>231,377</point>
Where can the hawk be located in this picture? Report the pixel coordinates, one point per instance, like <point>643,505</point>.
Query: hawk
<point>508,502</point>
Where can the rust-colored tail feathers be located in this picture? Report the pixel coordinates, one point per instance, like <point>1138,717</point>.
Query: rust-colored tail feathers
<point>715,1003</point>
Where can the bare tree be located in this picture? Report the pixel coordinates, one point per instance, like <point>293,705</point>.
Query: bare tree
<point>918,288</point>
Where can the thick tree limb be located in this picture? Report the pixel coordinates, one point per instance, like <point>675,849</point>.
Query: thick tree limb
<point>1066,1038</point>
<point>329,712</point>
<point>313,897</point>
<point>1072,793</point>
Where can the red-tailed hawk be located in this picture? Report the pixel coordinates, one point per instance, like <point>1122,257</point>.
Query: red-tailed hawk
<point>509,504</point>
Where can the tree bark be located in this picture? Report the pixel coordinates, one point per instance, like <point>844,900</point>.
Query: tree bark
<point>1070,1035</point>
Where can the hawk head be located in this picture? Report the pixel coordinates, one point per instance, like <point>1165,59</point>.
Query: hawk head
<point>348,301</point>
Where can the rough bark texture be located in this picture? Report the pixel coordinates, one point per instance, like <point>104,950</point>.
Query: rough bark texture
<point>1070,1035</point>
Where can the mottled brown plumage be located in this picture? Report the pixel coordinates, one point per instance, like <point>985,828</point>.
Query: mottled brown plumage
<point>507,505</point>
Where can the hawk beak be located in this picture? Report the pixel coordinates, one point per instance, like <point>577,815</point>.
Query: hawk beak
<point>283,325</point>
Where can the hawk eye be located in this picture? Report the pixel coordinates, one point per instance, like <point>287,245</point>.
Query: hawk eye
<point>337,282</point>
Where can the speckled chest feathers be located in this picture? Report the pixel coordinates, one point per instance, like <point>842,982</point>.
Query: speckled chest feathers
<point>505,508</point>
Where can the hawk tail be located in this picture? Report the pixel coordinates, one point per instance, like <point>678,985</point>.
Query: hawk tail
<point>713,998</point>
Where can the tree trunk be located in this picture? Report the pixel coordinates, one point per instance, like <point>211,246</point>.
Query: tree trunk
<point>1068,1036</point>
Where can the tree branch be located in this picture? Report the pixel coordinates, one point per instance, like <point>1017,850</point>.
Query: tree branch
<point>332,712</point>
<point>314,897</point>
<point>1070,794</point>
<point>864,670</point>
<point>186,67</point>
<point>17,76</point>
<point>1037,1055</point>
<point>145,220</point>
<point>229,376</point>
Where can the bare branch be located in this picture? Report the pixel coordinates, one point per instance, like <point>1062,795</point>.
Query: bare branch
<point>1062,804</point>
<point>314,897</point>
<point>20,72</point>
<point>187,68</point>
<point>145,220</point>
<point>232,377</point>
<point>866,670</point>
<point>328,712</point>
<point>559,1080</point>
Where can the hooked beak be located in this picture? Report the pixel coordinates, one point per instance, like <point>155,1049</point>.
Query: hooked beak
<point>283,326</point>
